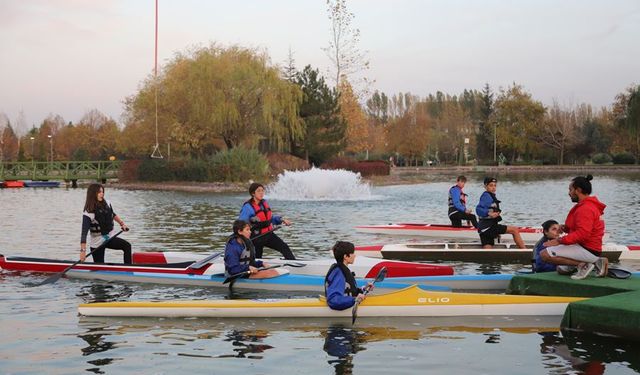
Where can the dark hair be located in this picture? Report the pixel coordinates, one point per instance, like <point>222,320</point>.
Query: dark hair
<point>583,182</point>
<point>461,179</point>
<point>342,248</point>
<point>488,180</point>
<point>253,187</point>
<point>91,203</point>
<point>547,224</point>
<point>239,225</point>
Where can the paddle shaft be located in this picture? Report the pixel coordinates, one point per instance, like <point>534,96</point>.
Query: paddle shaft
<point>54,278</point>
<point>381,275</point>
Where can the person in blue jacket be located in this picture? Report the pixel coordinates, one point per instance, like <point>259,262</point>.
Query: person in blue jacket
<point>551,230</point>
<point>458,210</point>
<point>257,212</point>
<point>340,286</point>
<point>488,210</point>
<point>239,254</point>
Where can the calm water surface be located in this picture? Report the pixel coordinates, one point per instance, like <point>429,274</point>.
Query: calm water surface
<point>40,331</point>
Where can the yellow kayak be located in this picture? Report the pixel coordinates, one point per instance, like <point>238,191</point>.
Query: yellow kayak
<point>411,301</point>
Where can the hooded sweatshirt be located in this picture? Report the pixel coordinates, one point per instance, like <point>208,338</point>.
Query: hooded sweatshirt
<point>584,225</point>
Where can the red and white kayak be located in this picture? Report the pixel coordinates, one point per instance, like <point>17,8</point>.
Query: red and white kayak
<point>363,266</point>
<point>473,252</point>
<point>55,265</point>
<point>529,234</point>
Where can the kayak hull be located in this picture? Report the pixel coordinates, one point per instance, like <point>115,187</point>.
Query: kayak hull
<point>363,266</point>
<point>473,252</point>
<point>529,234</point>
<point>409,302</point>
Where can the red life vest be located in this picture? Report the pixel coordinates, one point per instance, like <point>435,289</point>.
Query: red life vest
<point>263,214</point>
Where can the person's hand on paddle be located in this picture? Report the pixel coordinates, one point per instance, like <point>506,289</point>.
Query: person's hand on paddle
<point>83,253</point>
<point>252,270</point>
<point>286,222</point>
<point>124,227</point>
<point>361,297</point>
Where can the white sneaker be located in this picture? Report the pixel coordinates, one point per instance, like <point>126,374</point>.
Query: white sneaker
<point>584,270</point>
<point>602,266</point>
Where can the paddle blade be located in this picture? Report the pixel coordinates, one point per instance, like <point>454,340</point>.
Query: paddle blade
<point>381,275</point>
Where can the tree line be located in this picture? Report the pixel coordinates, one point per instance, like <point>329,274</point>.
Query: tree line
<point>215,98</point>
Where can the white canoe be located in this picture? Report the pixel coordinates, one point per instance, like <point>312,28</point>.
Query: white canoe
<point>473,252</point>
<point>412,301</point>
<point>529,234</point>
<point>363,266</point>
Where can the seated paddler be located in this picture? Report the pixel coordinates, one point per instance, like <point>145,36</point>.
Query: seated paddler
<point>239,254</point>
<point>340,286</point>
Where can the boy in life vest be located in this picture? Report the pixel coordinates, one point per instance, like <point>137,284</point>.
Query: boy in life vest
<point>239,254</point>
<point>551,230</point>
<point>458,210</point>
<point>488,210</point>
<point>340,286</point>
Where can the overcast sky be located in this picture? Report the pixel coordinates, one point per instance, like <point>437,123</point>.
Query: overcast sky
<point>67,57</point>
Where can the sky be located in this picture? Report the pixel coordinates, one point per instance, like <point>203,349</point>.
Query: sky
<point>66,57</point>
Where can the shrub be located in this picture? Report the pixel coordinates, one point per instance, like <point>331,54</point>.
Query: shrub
<point>239,164</point>
<point>129,170</point>
<point>601,158</point>
<point>365,168</point>
<point>624,158</point>
<point>281,162</point>
<point>155,170</point>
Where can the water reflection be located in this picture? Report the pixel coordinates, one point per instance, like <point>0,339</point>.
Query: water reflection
<point>247,343</point>
<point>606,349</point>
<point>342,343</point>
<point>105,292</point>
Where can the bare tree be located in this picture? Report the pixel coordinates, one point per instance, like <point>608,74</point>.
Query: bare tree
<point>343,51</point>
<point>558,129</point>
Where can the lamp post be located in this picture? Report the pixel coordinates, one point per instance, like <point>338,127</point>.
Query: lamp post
<point>32,143</point>
<point>50,136</point>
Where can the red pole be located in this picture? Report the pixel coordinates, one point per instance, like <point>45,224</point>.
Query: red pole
<point>155,67</point>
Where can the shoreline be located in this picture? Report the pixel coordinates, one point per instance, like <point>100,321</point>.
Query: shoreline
<point>398,176</point>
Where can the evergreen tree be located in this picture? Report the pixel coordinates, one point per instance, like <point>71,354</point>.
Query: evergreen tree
<point>485,131</point>
<point>324,134</point>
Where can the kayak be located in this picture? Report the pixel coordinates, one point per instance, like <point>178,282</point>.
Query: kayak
<point>54,265</point>
<point>48,184</point>
<point>410,301</point>
<point>285,281</point>
<point>363,266</point>
<point>473,252</point>
<point>529,234</point>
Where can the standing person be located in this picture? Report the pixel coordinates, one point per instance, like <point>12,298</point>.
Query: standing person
<point>257,212</point>
<point>582,246</point>
<point>340,286</point>
<point>550,230</point>
<point>488,210</point>
<point>97,219</point>
<point>239,254</point>
<point>458,210</point>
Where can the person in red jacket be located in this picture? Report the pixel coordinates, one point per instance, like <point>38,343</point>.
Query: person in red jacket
<point>584,228</point>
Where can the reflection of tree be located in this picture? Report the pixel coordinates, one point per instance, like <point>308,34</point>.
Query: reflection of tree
<point>553,347</point>
<point>97,344</point>
<point>244,343</point>
<point>341,343</point>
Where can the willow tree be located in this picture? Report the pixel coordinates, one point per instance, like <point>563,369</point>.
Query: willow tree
<point>213,93</point>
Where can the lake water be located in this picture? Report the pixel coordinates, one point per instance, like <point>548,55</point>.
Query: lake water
<point>41,332</point>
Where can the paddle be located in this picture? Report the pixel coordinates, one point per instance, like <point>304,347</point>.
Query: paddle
<point>234,277</point>
<point>201,263</point>
<point>381,275</point>
<point>52,279</point>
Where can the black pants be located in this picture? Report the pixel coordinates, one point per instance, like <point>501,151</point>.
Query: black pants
<point>457,217</point>
<point>272,241</point>
<point>116,244</point>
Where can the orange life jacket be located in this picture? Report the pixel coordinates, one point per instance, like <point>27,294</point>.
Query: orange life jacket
<point>263,216</point>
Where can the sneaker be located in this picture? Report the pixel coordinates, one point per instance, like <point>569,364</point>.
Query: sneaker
<point>566,270</point>
<point>602,266</point>
<point>584,269</point>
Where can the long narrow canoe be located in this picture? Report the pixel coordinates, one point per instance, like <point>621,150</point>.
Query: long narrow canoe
<point>411,301</point>
<point>473,252</point>
<point>284,282</point>
<point>529,234</point>
<point>362,267</point>
<point>54,265</point>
